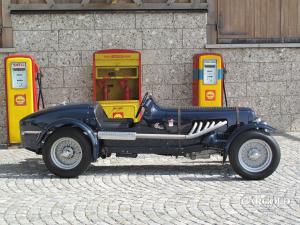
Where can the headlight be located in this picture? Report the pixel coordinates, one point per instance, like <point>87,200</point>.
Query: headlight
<point>257,120</point>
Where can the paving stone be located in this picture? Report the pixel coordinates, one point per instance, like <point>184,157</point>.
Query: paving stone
<point>31,21</point>
<point>274,71</point>
<point>40,57</point>
<point>72,21</point>
<point>80,40</point>
<point>114,21</point>
<point>2,80</point>
<point>154,20</point>
<point>2,57</point>
<point>232,55</point>
<point>128,39</point>
<point>181,91</point>
<point>3,116</point>
<point>56,96</point>
<point>295,122</point>
<point>149,189</point>
<point>267,88</point>
<point>290,104</point>
<point>281,122</point>
<point>78,77</point>
<point>35,40</point>
<point>238,101</point>
<point>159,56</point>
<point>162,91</point>
<point>64,58</point>
<point>79,95</point>
<point>194,38</point>
<point>162,38</point>
<point>164,74</point>
<point>236,89</point>
<point>190,20</point>
<point>3,135</point>
<point>241,72</point>
<point>263,55</point>
<point>87,58</point>
<point>266,105</point>
<point>52,77</point>
<point>180,56</point>
<point>293,88</point>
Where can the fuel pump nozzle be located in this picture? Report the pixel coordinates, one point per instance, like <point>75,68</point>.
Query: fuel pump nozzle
<point>40,95</point>
<point>224,90</point>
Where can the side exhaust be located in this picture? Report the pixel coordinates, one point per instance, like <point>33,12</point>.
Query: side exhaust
<point>195,132</point>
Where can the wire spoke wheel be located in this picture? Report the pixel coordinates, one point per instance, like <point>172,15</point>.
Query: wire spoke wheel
<point>255,155</point>
<point>66,153</point>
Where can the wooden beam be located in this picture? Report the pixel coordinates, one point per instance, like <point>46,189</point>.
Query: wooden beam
<point>6,26</point>
<point>212,19</point>
<point>50,2</point>
<point>138,2</point>
<point>107,7</point>
<point>7,37</point>
<point>169,2</point>
<point>84,2</point>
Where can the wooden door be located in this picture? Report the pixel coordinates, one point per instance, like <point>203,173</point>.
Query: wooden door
<point>258,21</point>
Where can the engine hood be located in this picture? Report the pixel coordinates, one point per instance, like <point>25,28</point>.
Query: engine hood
<point>46,116</point>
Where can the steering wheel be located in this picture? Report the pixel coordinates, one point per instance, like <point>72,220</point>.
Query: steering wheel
<point>142,104</point>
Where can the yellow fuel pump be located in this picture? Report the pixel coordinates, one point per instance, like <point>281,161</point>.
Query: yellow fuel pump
<point>117,82</point>
<point>208,80</point>
<point>21,95</point>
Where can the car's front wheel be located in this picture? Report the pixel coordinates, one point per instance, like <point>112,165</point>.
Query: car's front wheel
<point>254,155</point>
<point>67,152</point>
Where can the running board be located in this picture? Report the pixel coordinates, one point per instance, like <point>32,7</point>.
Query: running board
<point>195,132</point>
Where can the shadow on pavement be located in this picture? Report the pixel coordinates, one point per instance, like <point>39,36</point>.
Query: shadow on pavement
<point>288,136</point>
<point>34,168</point>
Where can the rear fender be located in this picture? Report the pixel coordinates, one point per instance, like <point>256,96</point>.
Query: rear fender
<point>72,123</point>
<point>253,126</point>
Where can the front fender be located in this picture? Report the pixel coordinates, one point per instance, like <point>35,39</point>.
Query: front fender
<point>253,126</point>
<point>74,123</point>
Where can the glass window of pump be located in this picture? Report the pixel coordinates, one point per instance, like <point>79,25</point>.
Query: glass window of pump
<point>117,72</point>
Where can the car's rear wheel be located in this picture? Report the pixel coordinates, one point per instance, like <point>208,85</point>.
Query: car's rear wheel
<point>254,155</point>
<point>67,152</point>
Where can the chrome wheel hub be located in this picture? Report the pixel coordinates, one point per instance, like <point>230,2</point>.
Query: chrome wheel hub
<point>66,153</point>
<point>255,155</point>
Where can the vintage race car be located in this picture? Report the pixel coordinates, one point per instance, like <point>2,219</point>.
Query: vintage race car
<point>70,137</point>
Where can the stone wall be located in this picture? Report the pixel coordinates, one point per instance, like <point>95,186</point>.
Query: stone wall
<point>3,120</point>
<point>268,80</point>
<point>265,79</point>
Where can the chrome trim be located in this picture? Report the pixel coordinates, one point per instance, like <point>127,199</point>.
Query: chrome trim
<point>111,135</point>
<point>108,135</point>
<point>30,132</point>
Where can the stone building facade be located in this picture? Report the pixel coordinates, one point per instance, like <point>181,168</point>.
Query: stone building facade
<point>266,79</point>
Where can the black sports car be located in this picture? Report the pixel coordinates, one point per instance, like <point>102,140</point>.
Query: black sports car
<point>71,137</point>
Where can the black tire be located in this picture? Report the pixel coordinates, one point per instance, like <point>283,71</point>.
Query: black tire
<point>236,147</point>
<point>86,152</point>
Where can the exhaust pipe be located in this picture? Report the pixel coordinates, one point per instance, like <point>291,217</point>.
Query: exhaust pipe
<point>195,132</point>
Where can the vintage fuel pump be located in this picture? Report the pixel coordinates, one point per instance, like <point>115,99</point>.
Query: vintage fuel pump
<point>21,75</point>
<point>208,80</point>
<point>117,82</point>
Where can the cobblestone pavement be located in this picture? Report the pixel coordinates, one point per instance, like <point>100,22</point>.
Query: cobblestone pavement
<point>149,190</point>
